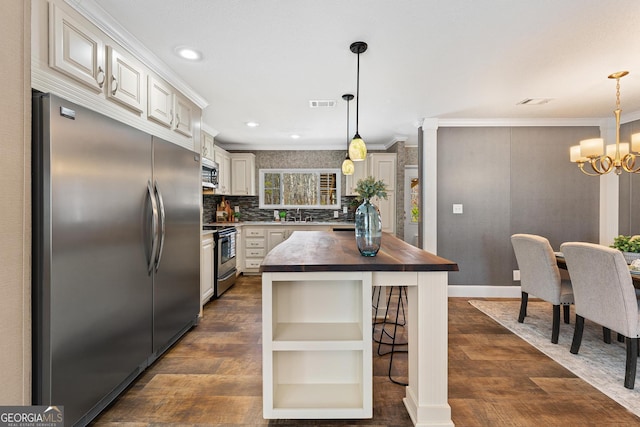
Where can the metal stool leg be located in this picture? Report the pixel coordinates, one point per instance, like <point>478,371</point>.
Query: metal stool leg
<point>400,308</point>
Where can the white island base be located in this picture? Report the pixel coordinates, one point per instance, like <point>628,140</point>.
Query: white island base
<point>317,363</point>
<point>317,342</point>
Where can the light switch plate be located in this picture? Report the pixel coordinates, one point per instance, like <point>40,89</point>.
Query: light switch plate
<point>516,275</point>
<point>457,208</point>
<point>335,214</point>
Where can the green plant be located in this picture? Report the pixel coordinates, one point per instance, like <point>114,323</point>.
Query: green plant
<point>369,187</point>
<point>627,243</point>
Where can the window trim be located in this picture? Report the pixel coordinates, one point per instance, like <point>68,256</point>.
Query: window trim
<point>317,171</point>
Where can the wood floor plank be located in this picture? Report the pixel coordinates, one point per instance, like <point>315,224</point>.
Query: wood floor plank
<point>213,377</point>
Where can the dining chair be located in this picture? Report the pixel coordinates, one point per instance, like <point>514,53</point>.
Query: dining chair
<point>604,294</point>
<point>540,277</point>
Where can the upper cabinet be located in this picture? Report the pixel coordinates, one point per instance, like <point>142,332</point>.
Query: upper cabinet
<point>80,58</point>
<point>359,172</point>
<point>223,159</point>
<point>126,81</point>
<point>382,166</point>
<point>207,146</point>
<point>76,50</point>
<point>159,101</point>
<point>183,112</point>
<point>243,174</point>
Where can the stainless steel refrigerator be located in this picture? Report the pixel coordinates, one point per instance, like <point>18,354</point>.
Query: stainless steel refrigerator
<point>116,261</point>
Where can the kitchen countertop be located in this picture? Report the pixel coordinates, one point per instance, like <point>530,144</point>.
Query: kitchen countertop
<point>281,223</point>
<point>330,251</point>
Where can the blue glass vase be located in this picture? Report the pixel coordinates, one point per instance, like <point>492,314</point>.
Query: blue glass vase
<point>368,229</point>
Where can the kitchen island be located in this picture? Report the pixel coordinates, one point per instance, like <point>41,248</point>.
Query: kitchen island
<point>316,312</point>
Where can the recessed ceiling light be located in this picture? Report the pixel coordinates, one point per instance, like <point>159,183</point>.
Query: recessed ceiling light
<point>295,136</point>
<point>252,124</point>
<point>188,53</point>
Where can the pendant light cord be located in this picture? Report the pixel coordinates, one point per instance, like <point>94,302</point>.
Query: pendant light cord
<point>358,94</point>
<point>348,125</point>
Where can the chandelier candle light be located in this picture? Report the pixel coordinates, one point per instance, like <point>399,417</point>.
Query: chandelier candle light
<point>347,165</point>
<point>617,157</point>
<point>357,148</point>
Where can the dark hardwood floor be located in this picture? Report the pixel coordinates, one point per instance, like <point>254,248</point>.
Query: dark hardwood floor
<point>212,377</point>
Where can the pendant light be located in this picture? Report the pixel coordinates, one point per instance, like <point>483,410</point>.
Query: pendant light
<point>357,148</point>
<point>347,166</point>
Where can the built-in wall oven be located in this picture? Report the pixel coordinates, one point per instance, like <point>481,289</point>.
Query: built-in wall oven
<point>225,259</point>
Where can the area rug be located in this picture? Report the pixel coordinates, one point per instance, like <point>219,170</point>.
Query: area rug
<point>599,364</point>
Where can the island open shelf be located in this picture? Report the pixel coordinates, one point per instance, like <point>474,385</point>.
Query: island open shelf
<point>316,325</point>
<point>316,347</point>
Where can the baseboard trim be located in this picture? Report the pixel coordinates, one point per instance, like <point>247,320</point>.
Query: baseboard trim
<point>467,291</point>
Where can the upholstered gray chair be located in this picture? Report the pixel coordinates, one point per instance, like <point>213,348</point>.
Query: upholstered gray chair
<point>604,294</point>
<point>540,277</point>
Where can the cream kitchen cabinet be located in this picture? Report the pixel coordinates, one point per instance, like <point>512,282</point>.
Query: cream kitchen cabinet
<point>243,174</point>
<point>223,159</point>
<point>76,49</point>
<point>126,80</point>
<point>382,166</point>
<point>159,101</point>
<point>207,269</point>
<point>206,148</point>
<point>277,235</point>
<point>255,248</point>
<point>359,172</point>
<point>183,115</point>
<point>387,208</point>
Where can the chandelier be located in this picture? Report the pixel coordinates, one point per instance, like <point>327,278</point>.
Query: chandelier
<point>347,165</point>
<point>357,148</point>
<point>615,157</point>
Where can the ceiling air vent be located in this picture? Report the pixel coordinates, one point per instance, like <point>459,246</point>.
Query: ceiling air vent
<point>534,101</point>
<point>319,103</point>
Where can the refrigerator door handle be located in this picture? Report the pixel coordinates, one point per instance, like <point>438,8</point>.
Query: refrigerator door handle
<point>154,229</point>
<point>162,224</point>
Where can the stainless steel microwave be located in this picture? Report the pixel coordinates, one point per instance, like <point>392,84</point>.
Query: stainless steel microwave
<point>209,173</point>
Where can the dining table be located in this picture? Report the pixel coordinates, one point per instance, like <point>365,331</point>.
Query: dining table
<point>562,264</point>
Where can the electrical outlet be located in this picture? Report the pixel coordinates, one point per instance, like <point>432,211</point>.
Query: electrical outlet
<point>516,275</point>
<point>344,209</point>
<point>457,208</point>
<point>335,214</point>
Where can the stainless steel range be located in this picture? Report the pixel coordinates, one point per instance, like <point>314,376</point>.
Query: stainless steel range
<point>225,259</point>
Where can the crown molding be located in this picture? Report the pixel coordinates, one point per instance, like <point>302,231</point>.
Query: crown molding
<point>112,28</point>
<point>506,122</point>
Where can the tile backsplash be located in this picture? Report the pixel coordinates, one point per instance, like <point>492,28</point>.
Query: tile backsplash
<point>250,211</point>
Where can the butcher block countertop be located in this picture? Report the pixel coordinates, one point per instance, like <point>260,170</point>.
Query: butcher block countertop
<point>307,251</point>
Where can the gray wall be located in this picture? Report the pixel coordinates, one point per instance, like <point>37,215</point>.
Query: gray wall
<point>629,219</point>
<point>510,180</point>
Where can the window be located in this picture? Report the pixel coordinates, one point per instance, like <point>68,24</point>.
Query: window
<point>300,188</point>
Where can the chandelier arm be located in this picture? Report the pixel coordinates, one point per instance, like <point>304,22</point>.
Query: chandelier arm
<point>629,163</point>
<point>581,166</point>
<point>602,165</point>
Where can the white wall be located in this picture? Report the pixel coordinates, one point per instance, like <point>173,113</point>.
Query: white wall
<point>15,204</point>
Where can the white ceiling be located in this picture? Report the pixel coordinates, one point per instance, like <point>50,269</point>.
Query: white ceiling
<point>456,60</point>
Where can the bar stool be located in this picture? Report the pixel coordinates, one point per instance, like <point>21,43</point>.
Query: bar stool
<point>385,331</point>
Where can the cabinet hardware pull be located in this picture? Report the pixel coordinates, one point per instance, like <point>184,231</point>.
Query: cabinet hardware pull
<point>171,115</point>
<point>100,77</point>
<point>114,85</point>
